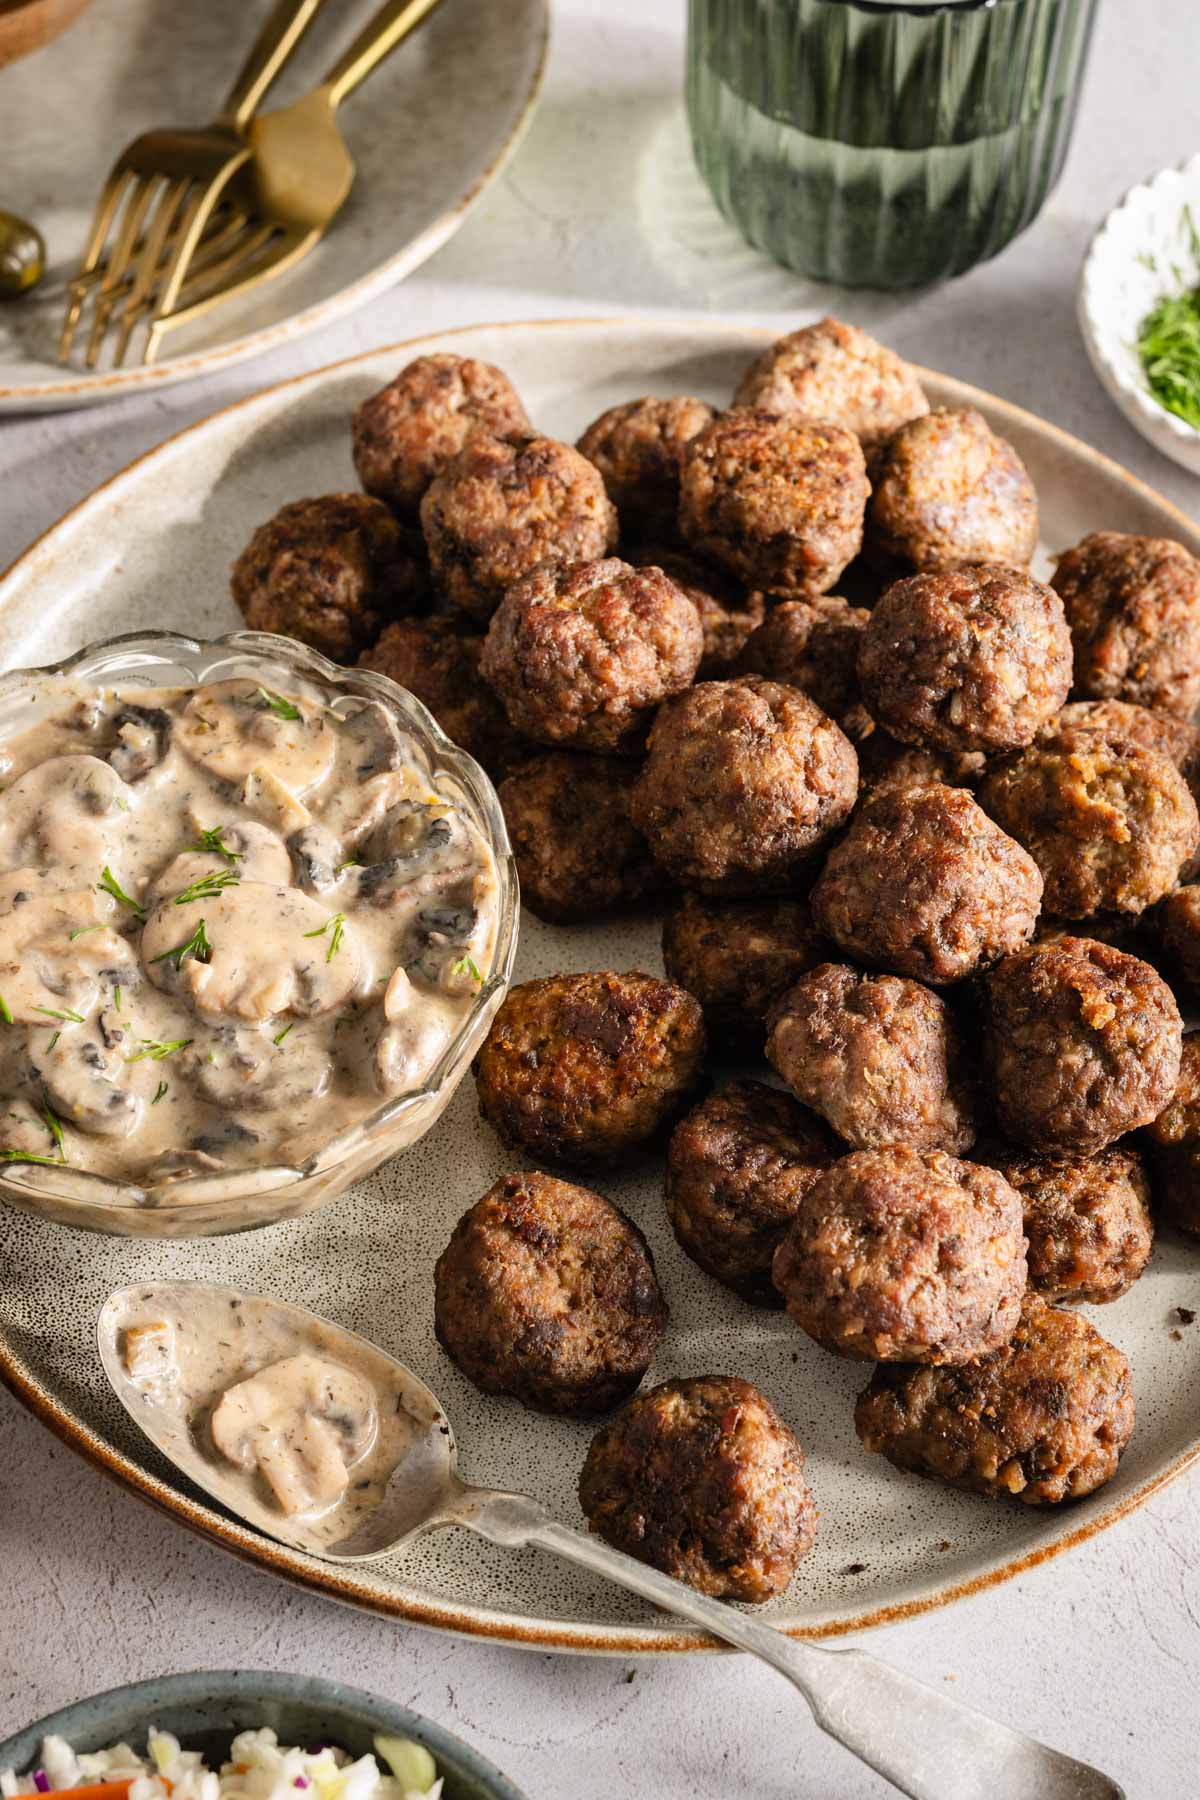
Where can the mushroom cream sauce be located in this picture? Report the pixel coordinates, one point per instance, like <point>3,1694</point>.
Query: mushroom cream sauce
<point>233,922</point>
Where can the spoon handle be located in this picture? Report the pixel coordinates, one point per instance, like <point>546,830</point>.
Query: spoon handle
<point>930,1746</point>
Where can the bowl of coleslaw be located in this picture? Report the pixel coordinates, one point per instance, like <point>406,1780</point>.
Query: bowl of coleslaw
<point>243,1735</point>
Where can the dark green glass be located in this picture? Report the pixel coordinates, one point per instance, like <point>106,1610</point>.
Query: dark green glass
<point>883,145</point>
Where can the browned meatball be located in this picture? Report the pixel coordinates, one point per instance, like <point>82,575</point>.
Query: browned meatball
<point>1178,922</point>
<point>547,1292</point>
<point>638,448</point>
<point>1082,1042</point>
<point>581,655</point>
<point>331,572</point>
<point>1120,719</point>
<point>736,1169</point>
<point>438,661</point>
<point>577,851</point>
<point>405,434</point>
<point>498,509</point>
<point>703,1480</point>
<point>905,1255</point>
<point>743,782</point>
<point>839,375</point>
<point>975,658</point>
<point>1173,1144</point>
<point>1088,1228</point>
<point>879,1057</point>
<point>736,957</point>
<point>727,614</point>
<point>1109,822</point>
<point>947,490</point>
<point>814,645</point>
<point>925,884</point>
<point>776,500</point>
<point>1043,1419</point>
<point>882,762</point>
<point>1133,605</point>
<point>589,1069</point>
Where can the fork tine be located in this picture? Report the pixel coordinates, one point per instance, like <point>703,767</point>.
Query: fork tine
<point>159,247</point>
<point>136,207</point>
<point>211,253</point>
<point>187,246</point>
<point>106,207</point>
<point>246,271</point>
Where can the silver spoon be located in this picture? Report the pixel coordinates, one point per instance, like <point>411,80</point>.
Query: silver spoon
<point>930,1746</point>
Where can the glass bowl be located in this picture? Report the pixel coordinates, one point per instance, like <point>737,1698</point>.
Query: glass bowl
<point>204,1205</point>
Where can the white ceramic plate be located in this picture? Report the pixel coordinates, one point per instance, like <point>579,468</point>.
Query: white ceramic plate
<point>153,547</point>
<point>428,130</point>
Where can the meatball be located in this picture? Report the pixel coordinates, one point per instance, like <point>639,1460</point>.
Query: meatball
<point>879,1057</point>
<point>1043,1419</point>
<point>703,1480</point>
<point>406,433</point>
<point>582,654</point>
<point>1178,922</point>
<point>1176,738</point>
<point>778,501</point>
<point>743,782</point>
<point>578,854</point>
<point>736,1169</point>
<point>498,509</point>
<point>587,1070</point>
<point>438,661</point>
<point>1133,605</point>
<point>947,490</point>
<point>548,1293</point>
<point>905,1255</point>
<point>814,645</point>
<point>974,658</point>
<point>331,572</point>
<point>1173,1144</point>
<point>736,957</point>
<point>923,883</point>
<point>1082,1044</point>
<point>638,448</point>
<point>727,614</point>
<point>882,762</point>
<point>839,375</point>
<point>1109,822</point>
<point>1088,1229</point>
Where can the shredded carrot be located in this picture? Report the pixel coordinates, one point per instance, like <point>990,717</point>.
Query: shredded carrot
<point>102,1790</point>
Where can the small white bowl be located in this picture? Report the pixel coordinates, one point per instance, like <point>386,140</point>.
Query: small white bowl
<point>1142,252</point>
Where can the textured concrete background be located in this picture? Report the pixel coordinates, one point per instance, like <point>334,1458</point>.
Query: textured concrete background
<point>1098,1652</point>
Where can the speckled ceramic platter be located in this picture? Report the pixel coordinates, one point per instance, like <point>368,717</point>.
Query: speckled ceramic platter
<point>427,131</point>
<point>152,547</point>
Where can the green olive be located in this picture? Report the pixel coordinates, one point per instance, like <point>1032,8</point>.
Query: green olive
<point>22,256</point>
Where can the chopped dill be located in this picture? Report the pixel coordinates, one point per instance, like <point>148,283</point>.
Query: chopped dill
<point>338,921</point>
<point>108,884</point>
<point>5,1011</point>
<point>66,1015</point>
<point>54,1126</point>
<point>277,704</point>
<point>466,965</point>
<point>1168,340</point>
<point>279,1039</point>
<point>208,887</point>
<point>197,946</point>
<point>159,1091</point>
<point>157,1048</point>
<point>83,931</point>
<point>54,1040</point>
<point>117,996</point>
<point>213,843</point>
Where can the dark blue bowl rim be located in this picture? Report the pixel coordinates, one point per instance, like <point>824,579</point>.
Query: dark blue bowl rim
<point>163,1691</point>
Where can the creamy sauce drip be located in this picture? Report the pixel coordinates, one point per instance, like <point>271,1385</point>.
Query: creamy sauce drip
<point>295,1426</point>
<point>232,924</point>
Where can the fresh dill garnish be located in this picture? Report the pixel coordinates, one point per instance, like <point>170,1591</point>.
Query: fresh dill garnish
<point>208,887</point>
<point>277,704</point>
<point>279,1039</point>
<point>53,1040</point>
<point>157,1048</point>
<point>54,1126</point>
<point>353,861</point>
<point>5,1012</point>
<point>159,1091</point>
<point>338,921</point>
<point>24,1156</point>
<point>108,884</point>
<point>117,996</point>
<point>196,946</point>
<point>1168,339</point>
<point>466,965</point>
<point>83,931</point>
<point>66,1015</point>
<point>213,843</point>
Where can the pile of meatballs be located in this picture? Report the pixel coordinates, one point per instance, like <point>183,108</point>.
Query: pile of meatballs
<point>923,830</point>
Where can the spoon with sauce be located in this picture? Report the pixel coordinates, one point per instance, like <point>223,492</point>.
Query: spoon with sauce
<point>322,1440</point>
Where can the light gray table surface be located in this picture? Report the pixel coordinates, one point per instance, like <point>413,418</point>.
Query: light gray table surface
<point>1097,1652</point>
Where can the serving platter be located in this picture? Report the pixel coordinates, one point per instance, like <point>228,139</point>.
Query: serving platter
<point>431,127</point>
<point>152,547</point>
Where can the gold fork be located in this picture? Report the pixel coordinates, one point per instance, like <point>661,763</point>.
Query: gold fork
<point>161,192</point>
<point>283,201</point>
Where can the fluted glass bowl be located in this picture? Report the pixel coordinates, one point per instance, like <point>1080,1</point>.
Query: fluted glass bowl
<point>883,143</point>
<point>205,1205</point>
